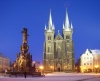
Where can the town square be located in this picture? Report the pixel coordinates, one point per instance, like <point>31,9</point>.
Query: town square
<point>49,40</point>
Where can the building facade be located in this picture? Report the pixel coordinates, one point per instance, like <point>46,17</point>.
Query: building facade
<point>4,63</point>
<point>86,62</point>
<point>58,49</point>
<point>96,59</point>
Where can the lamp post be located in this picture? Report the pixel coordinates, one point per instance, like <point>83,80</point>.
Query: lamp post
<point>52,68</point>
<point>41,69</point>
<point>96,67</point>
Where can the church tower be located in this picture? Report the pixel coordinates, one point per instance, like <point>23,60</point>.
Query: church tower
<point>58,49</point>
<point>69,50</point>
<point>49,45</point>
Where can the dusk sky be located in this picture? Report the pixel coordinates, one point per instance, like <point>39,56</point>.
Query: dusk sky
<point>34,14</point>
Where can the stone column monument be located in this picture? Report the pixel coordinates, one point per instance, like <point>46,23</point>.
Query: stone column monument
<point>24,58</point>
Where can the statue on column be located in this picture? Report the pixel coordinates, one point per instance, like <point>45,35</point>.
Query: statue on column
<point>24,58</point>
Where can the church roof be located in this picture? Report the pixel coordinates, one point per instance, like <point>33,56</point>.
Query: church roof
<point>59,37</point>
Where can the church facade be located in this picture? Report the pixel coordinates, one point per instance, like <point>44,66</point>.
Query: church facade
<point>58,49</point>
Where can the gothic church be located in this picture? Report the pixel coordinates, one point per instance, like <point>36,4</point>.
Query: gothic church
<point>58,53</point>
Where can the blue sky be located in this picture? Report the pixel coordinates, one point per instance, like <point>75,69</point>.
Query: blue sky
<point>34,14</point>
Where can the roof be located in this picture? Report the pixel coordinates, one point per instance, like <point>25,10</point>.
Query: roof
<point>59,37</point>
<point>1,55</point>
<point>96,51</point>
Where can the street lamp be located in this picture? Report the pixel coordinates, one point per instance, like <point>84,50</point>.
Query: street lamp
<point>41,68</point>
<point>52,67</point>
<point>96,66</point>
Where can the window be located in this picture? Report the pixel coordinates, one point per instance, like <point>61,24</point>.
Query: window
<point>84,63</point>
<point>84,58</point>
<point>90,63</point>
<point>58,52</point>
<point>67,48</point>
<point>67,37</point>
<point>49,37</point>
<point>67,60</point>
<point>67,56</point>
<point>87,63</point>
<point>48,49</point>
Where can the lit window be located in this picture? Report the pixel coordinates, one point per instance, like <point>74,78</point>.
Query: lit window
<point>87,63</point>
<point>90,63</point>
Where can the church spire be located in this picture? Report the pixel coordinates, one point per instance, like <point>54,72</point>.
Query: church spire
<point>67,26</point>
<point>66,21</point>
<point>51,26</point>
<point>50,21</point>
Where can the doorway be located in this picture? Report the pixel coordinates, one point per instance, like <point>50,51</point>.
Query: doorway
<point>58,69</point>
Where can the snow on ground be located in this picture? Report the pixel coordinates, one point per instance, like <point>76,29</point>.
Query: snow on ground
<point>57,77</point>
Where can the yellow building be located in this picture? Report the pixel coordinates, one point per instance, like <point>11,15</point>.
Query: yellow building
<point>86,62</point>
<point>4,62</point>
<point>96,60</point>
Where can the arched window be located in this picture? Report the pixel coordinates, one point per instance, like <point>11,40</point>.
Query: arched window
<point>49,49</point>
<point>58,52</point>
<point>67,37</point>
<point>67,48</point>
<point>49,37</point>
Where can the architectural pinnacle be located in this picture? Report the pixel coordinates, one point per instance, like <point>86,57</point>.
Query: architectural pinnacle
<point>45,27</point>
<point>58,31</point>
<point>71,26</point>
<point>63,26</point>
<point>66,21</point>
<point>50,21</point>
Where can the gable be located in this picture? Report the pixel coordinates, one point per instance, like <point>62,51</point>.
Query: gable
<point>58,37</point>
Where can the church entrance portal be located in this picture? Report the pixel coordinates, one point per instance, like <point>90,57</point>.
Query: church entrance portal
<point>58,69</point>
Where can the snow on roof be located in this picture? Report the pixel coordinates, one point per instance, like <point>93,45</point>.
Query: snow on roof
<point>96,51</point>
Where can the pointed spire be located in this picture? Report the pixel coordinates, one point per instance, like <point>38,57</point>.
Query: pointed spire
<point>50,21</point>
<point>58,31</point>
<point>71,26</point>
<point>63,26</point>
<point>66,20</point>
<point>53,27</point>
<point>45,27</point>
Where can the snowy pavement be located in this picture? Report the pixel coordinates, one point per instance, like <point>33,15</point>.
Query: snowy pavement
<point>58,76</point>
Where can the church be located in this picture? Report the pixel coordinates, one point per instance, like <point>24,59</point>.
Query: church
<point>58,53</point>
